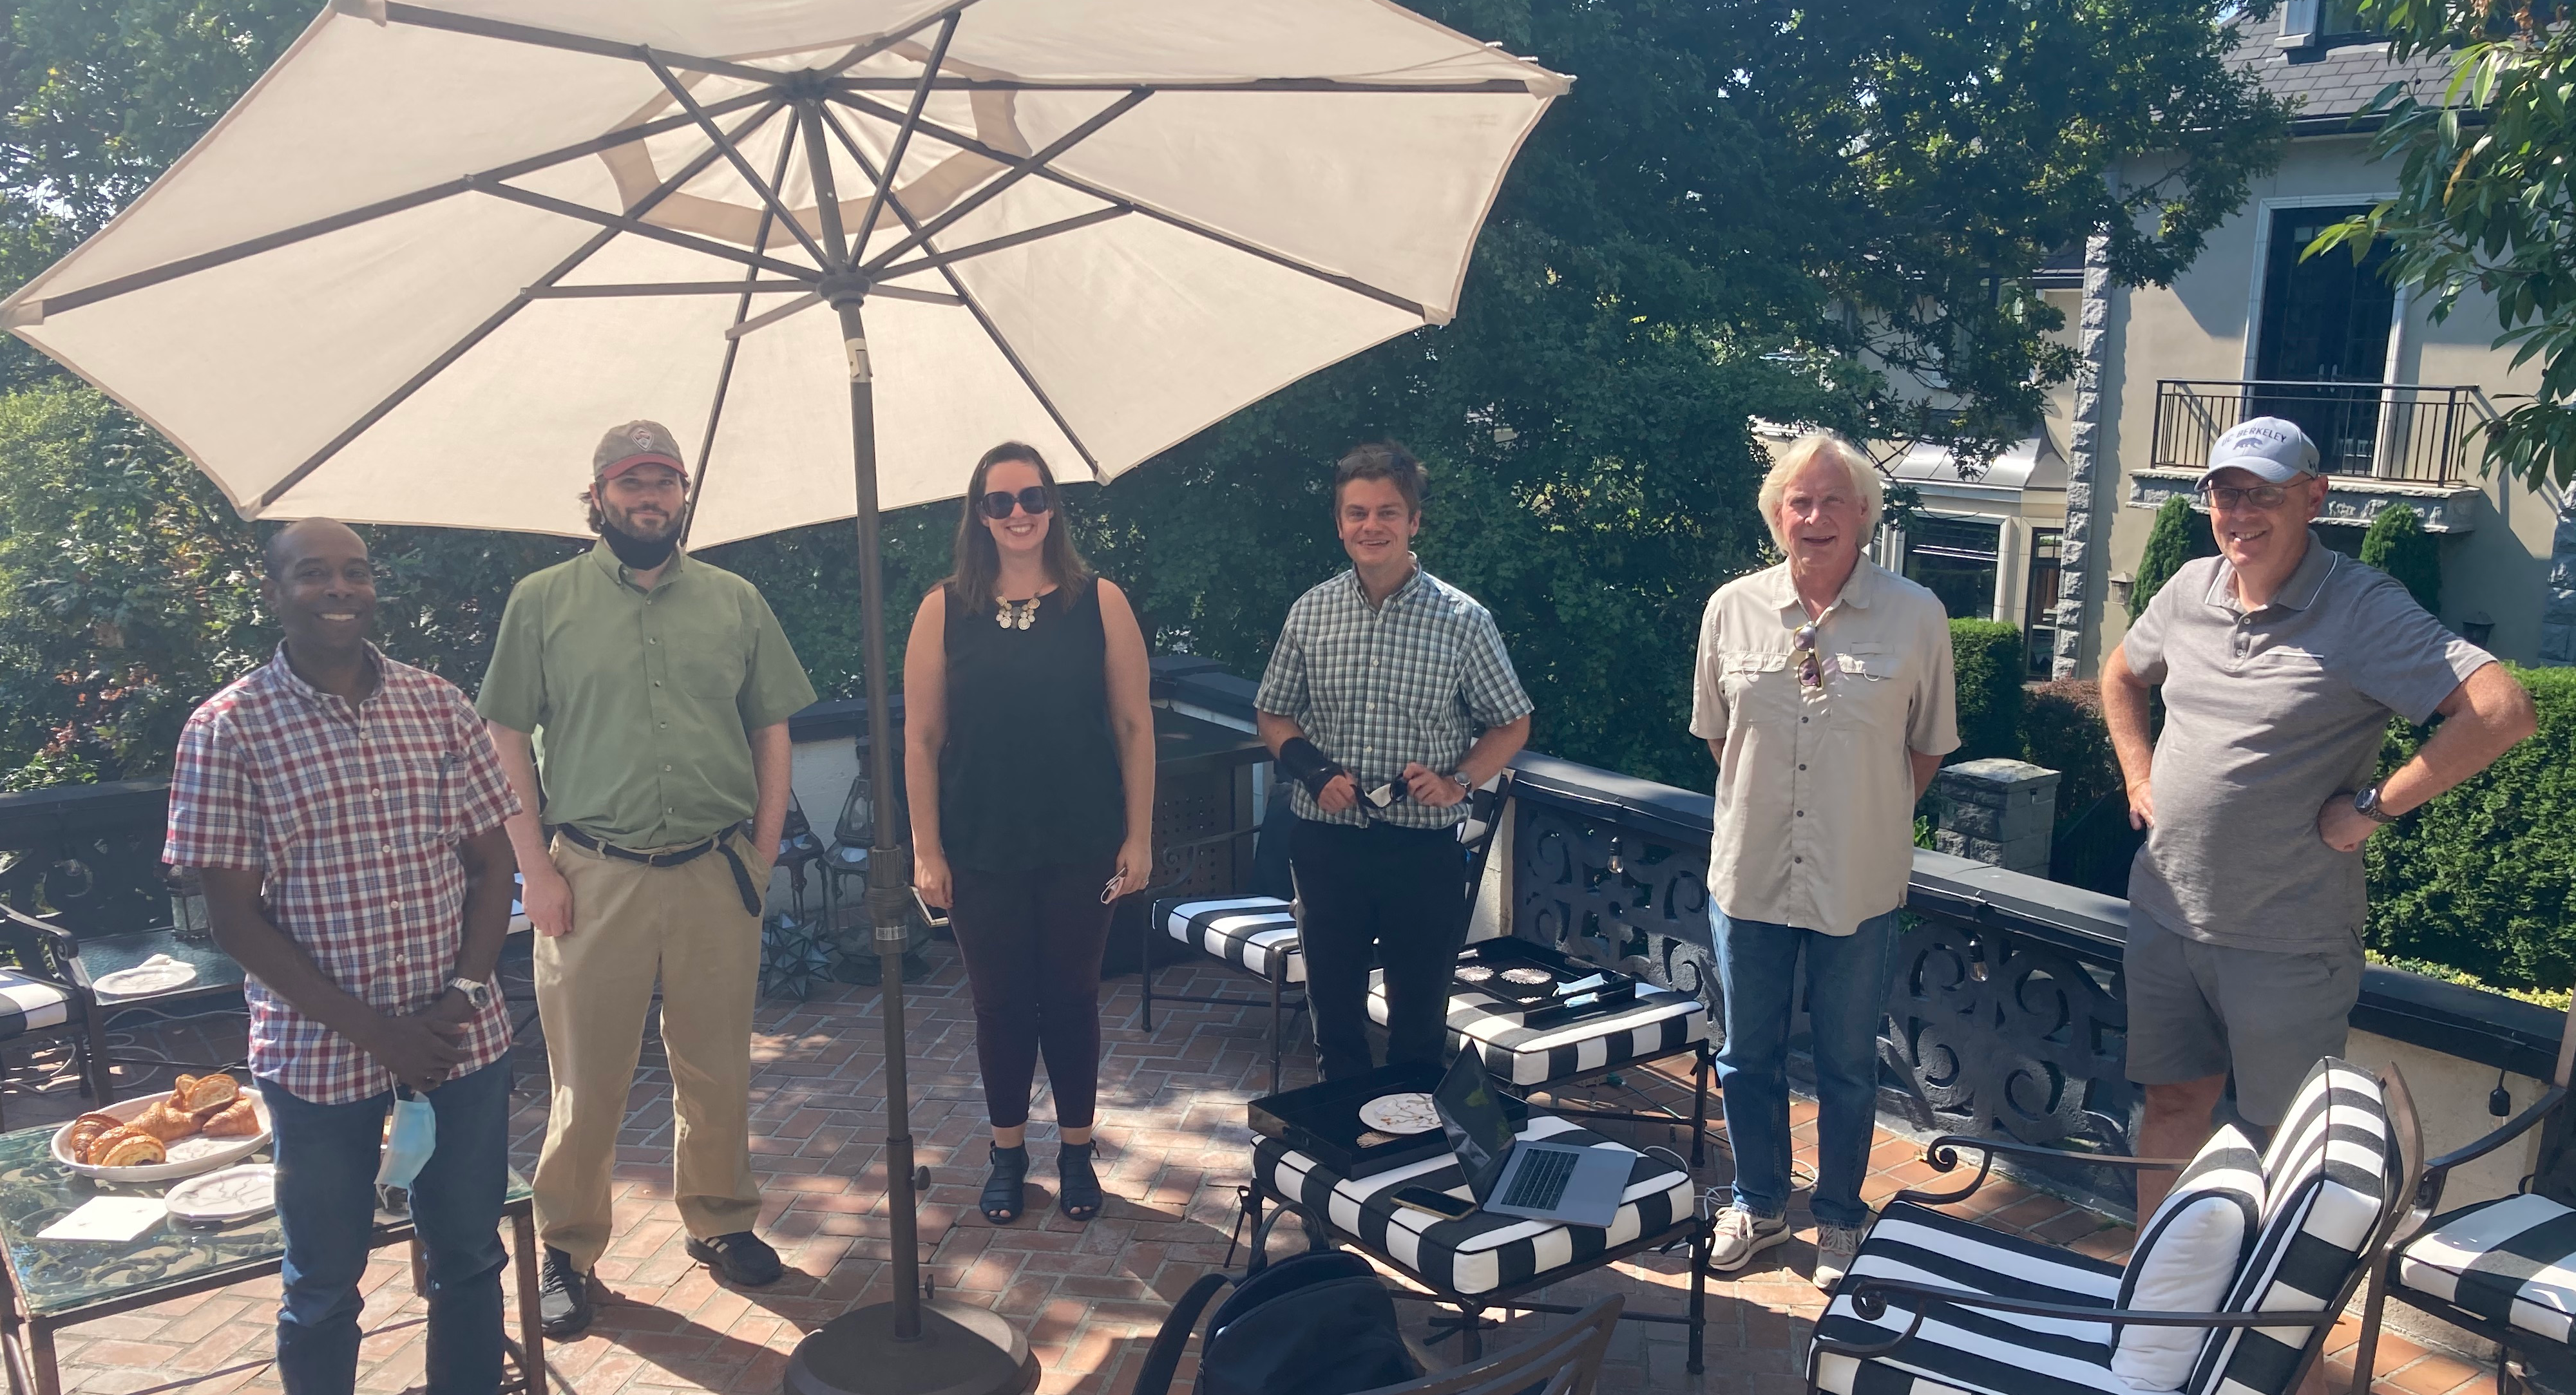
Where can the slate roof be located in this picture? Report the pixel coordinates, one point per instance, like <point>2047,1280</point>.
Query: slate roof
<point>2328,86</point>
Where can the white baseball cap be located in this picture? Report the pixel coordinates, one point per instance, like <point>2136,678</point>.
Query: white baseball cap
<point>2276,450</point>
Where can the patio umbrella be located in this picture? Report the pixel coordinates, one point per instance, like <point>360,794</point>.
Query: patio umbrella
<point>844,245</point>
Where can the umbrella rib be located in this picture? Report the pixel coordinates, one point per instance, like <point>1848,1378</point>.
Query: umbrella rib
<point>763,321</point>
<point>976,249</point>
<point>882,42</point>
<point>733,156</point>
<point>974,307</point>
<point>425,18</point>
<point>399,203</point>
<point>976,147</point>
<point>634,223</point>
<point>1475,87</point>
<point>1021,168</point>
<point>903,138</point>
<point>493,322</point>
<point>724,376</point>
<point>754,287</point>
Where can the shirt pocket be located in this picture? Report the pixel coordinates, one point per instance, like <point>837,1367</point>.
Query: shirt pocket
<point>708,671</point>
<point>1866,691</point>
<point>1759,686</point>
<point>420,797</point>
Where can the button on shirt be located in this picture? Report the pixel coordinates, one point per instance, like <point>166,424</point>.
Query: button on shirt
<point>354,815</point>
<point>1815,789</point>
<point>1379,687</point>
<point>642,702</point>
<point>2268,714</point>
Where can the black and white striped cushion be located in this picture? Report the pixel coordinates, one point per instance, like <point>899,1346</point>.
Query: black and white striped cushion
<point>2187,1255</point>
<point>2326,1181</point>
<point>2511,1260</point>
<point>1972,1349</point>
<point>30,1005</point>
<point>1484,1252</point>
<point>1245,931</point>
<point>1661,1022</point>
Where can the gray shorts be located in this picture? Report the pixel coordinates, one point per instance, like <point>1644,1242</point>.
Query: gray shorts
<point>2198,1010</point>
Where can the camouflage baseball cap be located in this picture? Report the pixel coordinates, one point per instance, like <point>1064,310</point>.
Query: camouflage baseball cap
<point>636,443</point>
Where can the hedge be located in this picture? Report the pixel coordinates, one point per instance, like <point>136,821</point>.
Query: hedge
<point>2483,879</point>
<point>1987,657</point>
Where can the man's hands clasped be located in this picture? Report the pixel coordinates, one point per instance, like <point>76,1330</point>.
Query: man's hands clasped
<point>422,1048</point>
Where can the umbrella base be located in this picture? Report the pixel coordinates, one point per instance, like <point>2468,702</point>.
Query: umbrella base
<point>961,1351</point>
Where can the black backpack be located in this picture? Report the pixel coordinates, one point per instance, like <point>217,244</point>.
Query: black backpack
<point>1313,1324</point>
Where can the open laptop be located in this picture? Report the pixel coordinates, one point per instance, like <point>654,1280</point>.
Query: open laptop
<point>1539,1181</point>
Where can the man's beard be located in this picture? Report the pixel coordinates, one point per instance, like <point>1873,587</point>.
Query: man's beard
<point>638,553</point>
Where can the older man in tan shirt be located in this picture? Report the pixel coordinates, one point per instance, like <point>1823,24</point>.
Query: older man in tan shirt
<point>1824,691</point>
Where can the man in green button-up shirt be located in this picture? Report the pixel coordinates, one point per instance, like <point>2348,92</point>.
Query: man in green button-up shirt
<point>659,688</point>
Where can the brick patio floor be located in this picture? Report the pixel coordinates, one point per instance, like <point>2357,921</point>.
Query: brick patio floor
<point>1174,1146</point>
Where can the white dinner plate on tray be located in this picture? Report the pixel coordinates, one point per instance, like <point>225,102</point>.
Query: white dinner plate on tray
<point>220,1198</point>
<point>158,974</point>
<point>1410,1112</point>
<point>188,1156</point>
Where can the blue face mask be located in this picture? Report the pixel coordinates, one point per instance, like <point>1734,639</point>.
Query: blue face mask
<point>413,1138</point>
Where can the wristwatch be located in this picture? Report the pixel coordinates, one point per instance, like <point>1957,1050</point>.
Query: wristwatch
<point>478,995</point>
<point>2366,804</point>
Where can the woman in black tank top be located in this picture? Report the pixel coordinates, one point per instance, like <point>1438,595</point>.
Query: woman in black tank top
<point>1029,758</point>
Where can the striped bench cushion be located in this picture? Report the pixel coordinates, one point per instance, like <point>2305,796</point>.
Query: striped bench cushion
<point>1661,1022</point>
<point>30,1005</point>
<point>2511,1261</point>
<point>1245,931</point>
<point>1971,1349</point>
<point>1484,1252</point>
<point>2327,1180</point>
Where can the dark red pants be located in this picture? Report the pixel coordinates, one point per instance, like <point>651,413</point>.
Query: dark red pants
<point>1032,942</point>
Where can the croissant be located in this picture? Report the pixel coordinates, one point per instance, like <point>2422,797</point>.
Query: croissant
<point>240,1119</point>
<point>85,1130</point>
<point>126,1147</point>
<point>192,1093</point>
<point>166,1122</point>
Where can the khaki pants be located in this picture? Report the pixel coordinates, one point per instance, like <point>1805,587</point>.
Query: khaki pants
<point>631,923</point>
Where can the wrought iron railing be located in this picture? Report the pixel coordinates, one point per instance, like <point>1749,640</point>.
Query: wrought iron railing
<point>2404,432</point>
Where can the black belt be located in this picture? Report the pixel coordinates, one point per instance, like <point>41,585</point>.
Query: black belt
<point>676,857</point>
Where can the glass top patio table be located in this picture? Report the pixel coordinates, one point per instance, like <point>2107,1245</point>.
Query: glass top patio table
<point>55,1277</point>
<point>101,955</point>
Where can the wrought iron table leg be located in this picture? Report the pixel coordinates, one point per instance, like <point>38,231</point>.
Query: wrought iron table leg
<point>1145,967</point>
<point>1699,1110</point>
<point>1278,1026</point>
<point>1700,1245</point>
<point>532,1328</point>
<point>40,1358</point>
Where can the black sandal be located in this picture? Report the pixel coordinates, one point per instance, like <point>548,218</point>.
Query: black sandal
<point>1004,1197</point>
<point>1077,1186</point>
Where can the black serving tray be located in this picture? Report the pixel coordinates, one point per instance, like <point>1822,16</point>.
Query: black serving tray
<point>1323,1121</point>
<point>1539,1004</point>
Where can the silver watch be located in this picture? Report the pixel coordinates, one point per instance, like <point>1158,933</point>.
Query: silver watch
<point>479,995</point>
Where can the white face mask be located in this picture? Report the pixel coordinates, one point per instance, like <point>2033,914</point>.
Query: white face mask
<point>413,1138</point>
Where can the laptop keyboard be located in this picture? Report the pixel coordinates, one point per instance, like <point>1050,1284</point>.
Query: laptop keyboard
<point>1542,1178</point>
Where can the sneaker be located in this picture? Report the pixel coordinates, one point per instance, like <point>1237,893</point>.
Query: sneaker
<point>742,1257</point>
<point>1837,1249</point>
<point>563,1296</point>
<point>1741,1235</point>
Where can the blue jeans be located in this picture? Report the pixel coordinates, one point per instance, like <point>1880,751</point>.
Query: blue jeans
<point>1847,983</point>
<point>327,1156</point>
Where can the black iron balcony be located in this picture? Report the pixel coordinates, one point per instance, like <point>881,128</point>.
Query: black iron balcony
<point>2400,431</point>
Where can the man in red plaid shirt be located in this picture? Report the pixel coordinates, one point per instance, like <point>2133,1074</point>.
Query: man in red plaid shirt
<point>346,814</point>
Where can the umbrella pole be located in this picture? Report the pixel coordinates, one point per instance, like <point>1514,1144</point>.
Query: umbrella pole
<point>906,1346</point>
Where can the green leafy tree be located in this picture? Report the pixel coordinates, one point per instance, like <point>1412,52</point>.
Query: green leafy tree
<point>2398,545</point>
<point>2483,198</point>
<point>2168,547</point>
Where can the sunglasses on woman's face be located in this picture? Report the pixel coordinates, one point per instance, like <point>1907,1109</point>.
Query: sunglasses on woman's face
<point>997,505</point>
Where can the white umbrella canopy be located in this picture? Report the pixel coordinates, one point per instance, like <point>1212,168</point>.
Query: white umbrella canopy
<point>436,251</point>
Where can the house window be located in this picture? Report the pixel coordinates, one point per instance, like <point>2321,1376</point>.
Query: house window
<point>2039,608</point>
<point>2325,321</point>
<point>1955,559</point>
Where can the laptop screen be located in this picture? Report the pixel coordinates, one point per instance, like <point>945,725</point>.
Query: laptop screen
<point>1480,1134</point>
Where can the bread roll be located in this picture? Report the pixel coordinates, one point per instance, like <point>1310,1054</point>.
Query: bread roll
<point>197,1093</point>
<point>239,1119</point>
<point>127,1147</point>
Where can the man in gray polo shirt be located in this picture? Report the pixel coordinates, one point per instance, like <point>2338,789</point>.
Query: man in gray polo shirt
<point>2281,661</point>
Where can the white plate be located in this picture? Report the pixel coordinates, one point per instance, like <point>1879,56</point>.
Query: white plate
<point>159,974</point>
<point>1406,1113</point>
<point>188,1156</point>
<point>234,1194</point>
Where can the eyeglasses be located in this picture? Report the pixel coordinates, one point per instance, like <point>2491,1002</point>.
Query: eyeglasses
<point>2261,496</point>
<point>997,505</point>
<point>1811,671</point>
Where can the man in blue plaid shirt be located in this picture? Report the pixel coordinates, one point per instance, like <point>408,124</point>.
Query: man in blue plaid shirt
<point>1387,701</point>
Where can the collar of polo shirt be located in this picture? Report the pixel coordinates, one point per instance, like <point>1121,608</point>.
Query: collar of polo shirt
<point>2297,593</point>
